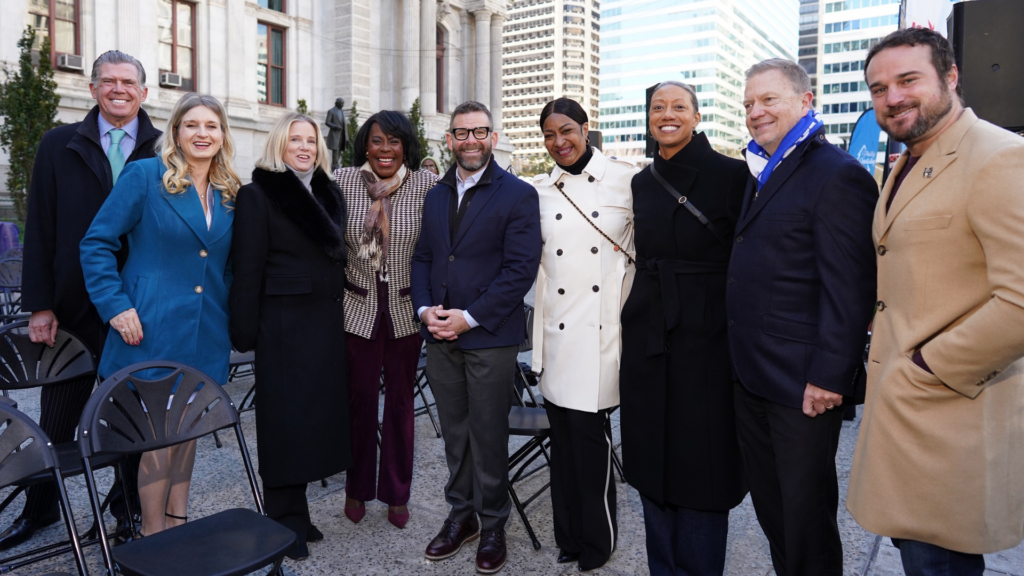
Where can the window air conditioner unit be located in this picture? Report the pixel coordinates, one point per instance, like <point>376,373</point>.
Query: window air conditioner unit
<point>170,80</point>
<point>70,62</point>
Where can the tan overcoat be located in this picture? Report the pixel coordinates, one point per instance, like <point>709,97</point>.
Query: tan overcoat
<point>940,458</point>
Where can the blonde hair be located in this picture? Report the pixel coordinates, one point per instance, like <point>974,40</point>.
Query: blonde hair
<point>222,173</point>
<point>277,143</point>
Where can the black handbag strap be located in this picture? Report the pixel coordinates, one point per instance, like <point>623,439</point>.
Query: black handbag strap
<point>689,207</point>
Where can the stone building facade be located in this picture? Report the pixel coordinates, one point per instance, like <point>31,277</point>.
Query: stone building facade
<point>260,57</point>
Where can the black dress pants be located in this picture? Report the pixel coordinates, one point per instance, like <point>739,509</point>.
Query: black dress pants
<point>790,461</point>
<point>289,507</point>
<point>60,409</point>
<point>582,484</point>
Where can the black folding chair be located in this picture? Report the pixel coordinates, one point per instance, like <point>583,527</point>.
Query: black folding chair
<point>531,422</point>
<point>28,454</point>
<point>158,404</point>
<point>25,364</point>
<point>10,287</point>
<point>419,388</point>
<point>12,254</point>
<point>240,365</point>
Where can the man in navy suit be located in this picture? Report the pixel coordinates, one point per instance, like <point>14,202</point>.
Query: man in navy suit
<point>800,295</point>
<point>477,257</point>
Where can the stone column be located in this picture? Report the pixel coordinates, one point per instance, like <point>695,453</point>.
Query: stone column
<point>410,53</point>
<point>128,27</point>
<point>483,60</point>
<point>497,31</point>
<point>428,57</point>
<point>466,37</point>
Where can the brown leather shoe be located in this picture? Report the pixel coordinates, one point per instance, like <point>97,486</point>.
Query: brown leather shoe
<point>490,556</point>
<point>450,539</point>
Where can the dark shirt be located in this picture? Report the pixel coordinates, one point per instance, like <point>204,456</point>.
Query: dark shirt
<point>383,319</point>
<point>577,167</point>
<point>911,161</point>
<point>917,358</point>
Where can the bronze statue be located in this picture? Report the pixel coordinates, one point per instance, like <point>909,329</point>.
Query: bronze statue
<point>337,137</point>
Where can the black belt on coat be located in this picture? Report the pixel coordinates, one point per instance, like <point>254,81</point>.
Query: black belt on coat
<point>665,303</point>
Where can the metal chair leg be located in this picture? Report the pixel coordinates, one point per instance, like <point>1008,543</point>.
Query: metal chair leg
<point>426,406</point>
<point>522,516</point>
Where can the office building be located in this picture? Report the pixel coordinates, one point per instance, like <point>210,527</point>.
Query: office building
<point>809,34</point>
<point>849,28</point>
<point>706,43</point>
<point>551,48</point>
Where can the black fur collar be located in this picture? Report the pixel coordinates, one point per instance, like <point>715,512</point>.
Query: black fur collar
<point>323,220</point>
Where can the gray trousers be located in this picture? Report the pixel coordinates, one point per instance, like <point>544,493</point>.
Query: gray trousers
<point>472,389</point>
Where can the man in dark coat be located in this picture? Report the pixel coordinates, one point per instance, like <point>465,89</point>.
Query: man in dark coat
<point>75,169</point>
<point>477,257</point>
<point>337,136</point>
<point>799,297</point>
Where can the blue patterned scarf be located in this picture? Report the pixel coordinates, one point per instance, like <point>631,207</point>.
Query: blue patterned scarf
<point>762,165</point>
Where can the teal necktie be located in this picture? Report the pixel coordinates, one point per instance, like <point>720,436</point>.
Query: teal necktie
<point>114,153</point>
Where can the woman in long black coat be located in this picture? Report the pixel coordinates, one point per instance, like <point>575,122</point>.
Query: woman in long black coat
<point>286,302</point>
<point>679,446</point>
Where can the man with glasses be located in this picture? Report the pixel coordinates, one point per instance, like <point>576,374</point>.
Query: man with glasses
<point>477,257</point>
<point>799,297</point>
<point>75,169</point>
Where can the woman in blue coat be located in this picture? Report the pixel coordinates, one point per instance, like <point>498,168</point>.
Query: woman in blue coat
<point>170,301</point>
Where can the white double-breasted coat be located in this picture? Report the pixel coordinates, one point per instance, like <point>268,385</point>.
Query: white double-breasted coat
<point>583,282</point>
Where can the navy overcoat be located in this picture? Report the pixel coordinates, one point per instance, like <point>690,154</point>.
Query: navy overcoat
<point>801,284</point>
<point>492,262</point>
<point>177,275</point>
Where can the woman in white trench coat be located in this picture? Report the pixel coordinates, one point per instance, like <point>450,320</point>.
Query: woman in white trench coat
<point>585,274</point>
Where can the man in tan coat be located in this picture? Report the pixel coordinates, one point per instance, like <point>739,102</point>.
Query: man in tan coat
<point>939,465</point>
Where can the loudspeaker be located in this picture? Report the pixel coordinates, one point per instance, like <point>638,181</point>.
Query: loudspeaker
<point>989,49</point>
<point>595,139</point>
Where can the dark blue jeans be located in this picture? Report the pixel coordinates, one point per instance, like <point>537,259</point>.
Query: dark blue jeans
<point>683,541</point>
<point>922,559</point>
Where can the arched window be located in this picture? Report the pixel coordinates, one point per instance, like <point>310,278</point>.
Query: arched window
<point>440,69</point>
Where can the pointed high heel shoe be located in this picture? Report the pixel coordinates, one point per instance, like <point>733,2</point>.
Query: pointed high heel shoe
<point>355,513</point>
<point>398,519</point>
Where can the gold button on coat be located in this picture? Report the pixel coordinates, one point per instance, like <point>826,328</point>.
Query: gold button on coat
<point>203,253</point>
<point>199,289</point>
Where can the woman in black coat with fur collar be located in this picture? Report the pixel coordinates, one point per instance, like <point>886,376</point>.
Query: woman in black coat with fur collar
<point>288,256</point>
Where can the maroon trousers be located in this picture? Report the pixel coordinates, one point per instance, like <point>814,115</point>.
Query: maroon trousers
<point>366,359</point>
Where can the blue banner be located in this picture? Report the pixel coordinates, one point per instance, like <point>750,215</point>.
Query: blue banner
<point>864,141</point>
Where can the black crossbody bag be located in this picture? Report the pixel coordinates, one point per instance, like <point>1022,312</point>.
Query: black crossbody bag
<point>690,207</point>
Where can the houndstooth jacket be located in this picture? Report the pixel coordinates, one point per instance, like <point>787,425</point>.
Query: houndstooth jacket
<point>361,282</point>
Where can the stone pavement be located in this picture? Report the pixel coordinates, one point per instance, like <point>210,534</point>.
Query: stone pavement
<point>375,547</point>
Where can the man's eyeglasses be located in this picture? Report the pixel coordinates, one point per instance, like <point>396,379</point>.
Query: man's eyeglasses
<point>479,133</point>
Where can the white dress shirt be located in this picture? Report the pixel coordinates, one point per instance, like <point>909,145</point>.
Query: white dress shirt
<point>460,187</point>
<point>131,133</point>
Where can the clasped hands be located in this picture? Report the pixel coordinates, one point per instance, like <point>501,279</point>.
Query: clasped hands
<point>444,324</point>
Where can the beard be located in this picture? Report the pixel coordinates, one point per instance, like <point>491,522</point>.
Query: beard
<point>474,165</point>
<point>928,117</point>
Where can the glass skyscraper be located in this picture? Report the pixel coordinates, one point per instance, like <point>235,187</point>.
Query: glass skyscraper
<point>706,43</point>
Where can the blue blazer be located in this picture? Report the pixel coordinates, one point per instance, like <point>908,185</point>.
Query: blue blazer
<point>492,263</point>
<point>801,285</point>
<point>177,275</point>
